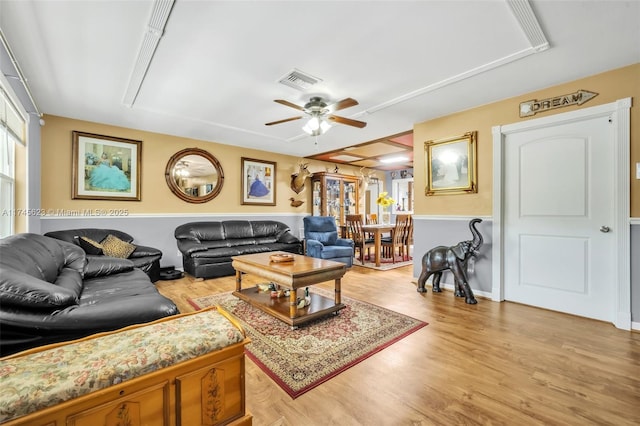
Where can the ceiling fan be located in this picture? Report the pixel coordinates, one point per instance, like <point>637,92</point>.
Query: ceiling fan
<point>320,112</point>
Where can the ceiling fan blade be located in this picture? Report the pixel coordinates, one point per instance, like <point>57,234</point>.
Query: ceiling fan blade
<point>289,104</point>
<point>345,103</point>
<point>347,121</point>
<point>283,121</point>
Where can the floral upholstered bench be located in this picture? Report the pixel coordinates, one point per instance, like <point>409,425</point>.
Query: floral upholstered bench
<point>188,368</point>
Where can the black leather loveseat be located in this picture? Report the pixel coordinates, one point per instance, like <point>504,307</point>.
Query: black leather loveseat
<point>207,247</point>
<point>145,258</point>
<point>51,292</point>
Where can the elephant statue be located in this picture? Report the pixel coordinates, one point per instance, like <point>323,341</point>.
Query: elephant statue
<point>454,258</point>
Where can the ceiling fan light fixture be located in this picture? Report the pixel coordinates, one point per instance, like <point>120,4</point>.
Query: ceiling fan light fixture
<point>307,129</point>
<point>324,126</point>
<point>316,126</point>
<point>314,123</point>
<point>321,114</point>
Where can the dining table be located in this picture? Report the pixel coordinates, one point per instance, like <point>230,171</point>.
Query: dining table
<point>377,229</point>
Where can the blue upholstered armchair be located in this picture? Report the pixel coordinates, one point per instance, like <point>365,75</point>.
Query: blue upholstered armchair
<point>322,241</point>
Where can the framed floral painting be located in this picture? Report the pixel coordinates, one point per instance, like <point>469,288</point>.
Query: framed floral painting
<point>258,182</point>
<point>105,167</point>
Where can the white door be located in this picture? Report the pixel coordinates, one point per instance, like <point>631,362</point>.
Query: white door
<point>559,236</point>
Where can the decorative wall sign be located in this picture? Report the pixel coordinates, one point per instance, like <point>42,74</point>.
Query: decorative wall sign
<point>535,106</point>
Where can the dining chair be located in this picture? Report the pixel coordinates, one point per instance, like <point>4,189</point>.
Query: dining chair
<point>360,239</point>
<point>408,240</point>
<point>397,238</point>
<point>371,219</point>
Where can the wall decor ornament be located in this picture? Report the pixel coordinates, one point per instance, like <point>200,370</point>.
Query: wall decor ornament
<point>194,175</point>
<point>258,182</point>
<point>105,167</point>
<point>451,165</point>
<point>535,106</point>
<point>298,179</point>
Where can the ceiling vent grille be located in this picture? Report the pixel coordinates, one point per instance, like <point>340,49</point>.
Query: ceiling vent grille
<point>299,80</point>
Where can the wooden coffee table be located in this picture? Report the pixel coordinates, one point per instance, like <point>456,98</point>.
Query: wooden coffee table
<point>302,272</point>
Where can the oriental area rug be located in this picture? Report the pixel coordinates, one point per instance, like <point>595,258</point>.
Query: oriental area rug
<point>385,263</point>
<point>299,360</point>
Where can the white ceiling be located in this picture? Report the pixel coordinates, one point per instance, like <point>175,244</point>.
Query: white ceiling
<point>215,72</point>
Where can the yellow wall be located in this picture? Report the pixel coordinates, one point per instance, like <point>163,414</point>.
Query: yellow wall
<point>158,148</point>
<point>156,151</point>
<point>610,86</point>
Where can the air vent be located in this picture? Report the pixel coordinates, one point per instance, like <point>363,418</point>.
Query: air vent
<point>299,80</point>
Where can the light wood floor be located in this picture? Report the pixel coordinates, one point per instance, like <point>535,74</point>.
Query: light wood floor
<point>490,363</point>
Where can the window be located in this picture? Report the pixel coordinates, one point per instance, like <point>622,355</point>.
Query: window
<point>403,195</point>
<point>12,131</point>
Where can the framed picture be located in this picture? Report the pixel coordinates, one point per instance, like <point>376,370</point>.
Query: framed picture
<point>258,182</point>
<point>451,165</point>
<point>105,167</point>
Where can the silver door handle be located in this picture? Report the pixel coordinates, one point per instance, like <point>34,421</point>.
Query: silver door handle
<point>605,229</point>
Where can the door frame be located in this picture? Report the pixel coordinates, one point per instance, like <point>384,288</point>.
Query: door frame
<point>619,111</point>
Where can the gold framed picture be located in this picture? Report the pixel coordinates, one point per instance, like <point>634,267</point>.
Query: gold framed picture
<point>451,165</point>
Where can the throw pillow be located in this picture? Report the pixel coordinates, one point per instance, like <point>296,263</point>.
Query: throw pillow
<point>115,247</point>
<point>89,246</point>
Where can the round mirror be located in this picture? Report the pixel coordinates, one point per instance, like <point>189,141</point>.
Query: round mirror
<point>194,175</point>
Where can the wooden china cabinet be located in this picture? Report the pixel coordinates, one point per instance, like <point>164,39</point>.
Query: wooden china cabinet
<point>334,195</point>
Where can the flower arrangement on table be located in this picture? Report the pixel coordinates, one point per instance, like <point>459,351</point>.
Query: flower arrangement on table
<point>385,201</point>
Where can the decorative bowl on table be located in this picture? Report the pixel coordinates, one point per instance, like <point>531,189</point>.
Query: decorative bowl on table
<point>281,258</point>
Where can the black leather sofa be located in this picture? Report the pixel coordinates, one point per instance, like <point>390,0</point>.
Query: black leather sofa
<point>50,291</point>
<point>145,258</point>
<point>207,247</point>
